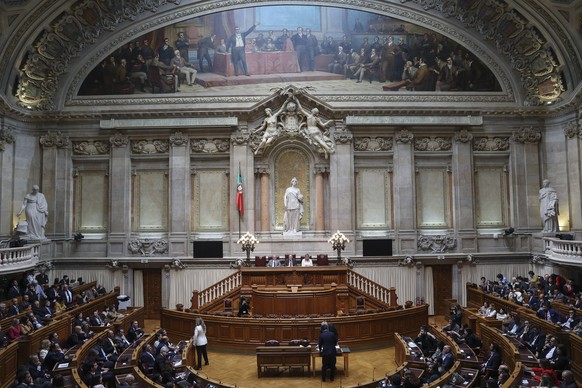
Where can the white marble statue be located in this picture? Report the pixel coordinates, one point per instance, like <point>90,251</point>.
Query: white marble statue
<point>293,202</point>
<point>271,127</point>
<point>36,210</point>
<point>316,131</point>
<point>549,209</point>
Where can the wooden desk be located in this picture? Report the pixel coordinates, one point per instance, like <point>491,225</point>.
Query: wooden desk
<point>340,352</point>
<point>283,357</point>
<point>261,62</point>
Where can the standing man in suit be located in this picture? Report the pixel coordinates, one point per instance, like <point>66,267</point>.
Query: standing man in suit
<point>236,46</point>
<point>203,46</point>
<point>327,343</point>
<point>67,295</point>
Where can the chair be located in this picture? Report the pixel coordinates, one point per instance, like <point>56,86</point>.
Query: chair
<point>164,83</point>
<point>360,303</point>
<point>271,342</point>
<point>322,260</point>
<point>260,261</point>
<point>228,305</point>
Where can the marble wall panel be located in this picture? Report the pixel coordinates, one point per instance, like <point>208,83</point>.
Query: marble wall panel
<point>91,201</point>
<point>491,197</point>
<point>150,201</point>
<point>433,198</point>
<point>210,194</point>
<point>374,205</point>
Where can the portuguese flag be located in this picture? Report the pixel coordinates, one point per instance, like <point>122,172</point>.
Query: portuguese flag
<point>240,203</point>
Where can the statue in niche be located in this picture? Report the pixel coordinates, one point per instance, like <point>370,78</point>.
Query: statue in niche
<point>549,209</point>
<point>35,207</point>
<point>293,205</point>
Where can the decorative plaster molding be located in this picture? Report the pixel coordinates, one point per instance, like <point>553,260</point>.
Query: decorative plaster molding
<point>432,143</point>
<point>375,144</point>
<point>343,137</point>
<point>147,247</point>
<point>239,138</point>
<point>178,139</point>
<point>491,143</point>
<point>119,140</point>
<point>573,129</point>
<point>6,137</point>
<point>463,136</point>
<point>150,146</point>
<point>404,136</point>
<point>210,146</point>
<point>90,147</point>
<point>437,243</point>
<point>527,135</point>
<point>54,139</point>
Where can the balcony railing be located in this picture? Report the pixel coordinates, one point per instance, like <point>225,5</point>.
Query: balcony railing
<point>566,251</point>
<point>21,257</point>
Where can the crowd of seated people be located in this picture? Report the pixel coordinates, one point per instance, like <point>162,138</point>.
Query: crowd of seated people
<point>537,293</point>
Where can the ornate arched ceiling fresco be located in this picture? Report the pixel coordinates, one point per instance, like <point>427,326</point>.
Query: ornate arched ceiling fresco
<point>526,47</point>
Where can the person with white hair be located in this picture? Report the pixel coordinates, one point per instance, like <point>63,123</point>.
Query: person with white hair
<point>184,67</point>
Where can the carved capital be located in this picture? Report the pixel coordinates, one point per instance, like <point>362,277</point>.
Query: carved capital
<point>463,136</point>
<point>239,138</point>
<point>321,170</point>
<point>54,139</point>
<point>343,137</point>
<point>404,137</point>
<point>573,129</point>
<point>6,137</point>
<point>527,135</point>
<point>119,140</point>
<point>262,171</point>
<point>178,139</point>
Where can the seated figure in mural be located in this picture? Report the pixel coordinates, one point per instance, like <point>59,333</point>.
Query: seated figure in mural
<point>293,204</point>
<point>549,210</point>
<point>35,207</point>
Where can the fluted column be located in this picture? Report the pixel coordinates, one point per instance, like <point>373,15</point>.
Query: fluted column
<point>319,198</point>
<point>573,134</point>
<point>463,183</point>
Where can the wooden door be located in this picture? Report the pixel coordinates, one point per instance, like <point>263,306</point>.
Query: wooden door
<point>152,292</point>
<point>442,277</point>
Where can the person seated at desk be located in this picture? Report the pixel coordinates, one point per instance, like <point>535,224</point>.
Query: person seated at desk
<point>269,46</point>
<point>306,261</point>
<point>274,262</point>
<point>243,306</point>
<point>134,332</point>
<point>290,261</point>
<point>426,341</point>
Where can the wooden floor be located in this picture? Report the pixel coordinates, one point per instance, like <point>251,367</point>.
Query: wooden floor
<point>240,367</point>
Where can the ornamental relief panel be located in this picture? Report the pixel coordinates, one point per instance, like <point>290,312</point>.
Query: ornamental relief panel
<point>491,143</point>
<point>90,147</point>
<point>373,144</point>
<point>150,146</point>
<point>209,146</point>
<point>432,143</point>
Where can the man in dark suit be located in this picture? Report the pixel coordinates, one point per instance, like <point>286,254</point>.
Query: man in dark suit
<point>42,278</point>
<point>134,332</point>
<point>96,320</point>
<point>290,261</point>
<point>236,45</point>
<point>54,356</point>
<point>14,290</point>
<point>490,368</point>
<point>147,358</point>
<point>204,45</point>
<point>447,359</point>
<point>67,295</point>
<point>327,343</point>
<point>13,309</point>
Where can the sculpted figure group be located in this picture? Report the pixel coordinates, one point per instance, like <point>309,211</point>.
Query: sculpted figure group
<point>292,119</point>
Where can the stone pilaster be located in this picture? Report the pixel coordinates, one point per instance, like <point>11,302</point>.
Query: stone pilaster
<point>179,194</point>
<point>7,211</point>
<point>57,184</point>
<point>119,194</point>
<point>265,200</point>
<point>463,188</point>
<point>242,156</point>
<point>525,179</point>
<point>573,134</point>
<point>341,182</point>
<point>320,198</point>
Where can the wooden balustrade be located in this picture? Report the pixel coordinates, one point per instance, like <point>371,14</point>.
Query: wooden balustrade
<point>201,299</point>
<point>8,364</point>
<point>372,289</point>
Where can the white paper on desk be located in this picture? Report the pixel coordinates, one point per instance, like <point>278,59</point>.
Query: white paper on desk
<point>412,344</point>
<point>178,363</point>
<point>63,365</point>
<point>524,382</point>
<point>529,356</point>
<point>337,347</point>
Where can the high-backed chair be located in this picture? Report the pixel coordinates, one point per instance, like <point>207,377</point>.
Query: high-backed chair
<point>322,259</point>
<point>260,261</point>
